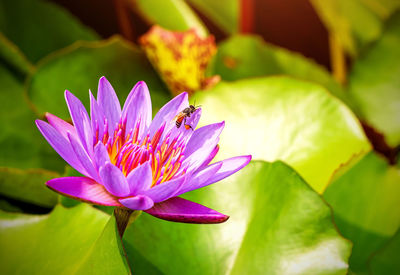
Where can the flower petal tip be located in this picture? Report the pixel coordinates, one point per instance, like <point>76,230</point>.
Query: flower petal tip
<point>141,83</point>
<point>67,94</point>
<point>103,78</point>
<point>248,157</point>
<point>103,82</point>
<point>38,122</point>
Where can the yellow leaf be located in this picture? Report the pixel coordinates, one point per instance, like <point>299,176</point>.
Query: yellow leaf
<point>181,58</point>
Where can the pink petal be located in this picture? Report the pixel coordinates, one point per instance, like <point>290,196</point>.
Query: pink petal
<point>138,107</point>
<point>209,158</point>
<point>60,145</point>
<point>83,189</point>
<point>165,190</point>
<point>109,103</point>
<point>114,180</point>
<point>180,210</point>
<point>137,203</point>
<point>140,178</point>
<point>83,157</point>
<point>81,121</point>
<point>101,155</point>
<point>202,143</point>
<point>199,179</point>
<point>96,116</point>
<point>229,167</point>
<point>60,125</point>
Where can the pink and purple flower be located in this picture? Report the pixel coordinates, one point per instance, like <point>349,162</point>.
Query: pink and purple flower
<point>131,161</point>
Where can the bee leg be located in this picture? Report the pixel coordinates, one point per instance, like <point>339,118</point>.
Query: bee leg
<point>187,126</point>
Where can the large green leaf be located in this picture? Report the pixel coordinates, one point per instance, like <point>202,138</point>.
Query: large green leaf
<point>355,23</point>
<point>365,202</point>
<point>13,56</point>
<point>375,83</point>
<point>79,68</point>
<point>386,260</point>
<point>283,118</point>
<point>244,56</point>
<point>21,144</point>
<point>28,186</point>
<point>40,27</point>
<point>278,225</point>
<point>170,14</point>
<point>224,13</point>
<point>76,240</point>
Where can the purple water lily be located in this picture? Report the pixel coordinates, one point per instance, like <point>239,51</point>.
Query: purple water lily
<point>131,161</point>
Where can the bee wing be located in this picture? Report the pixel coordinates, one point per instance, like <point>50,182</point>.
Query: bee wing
<point>176,117</point>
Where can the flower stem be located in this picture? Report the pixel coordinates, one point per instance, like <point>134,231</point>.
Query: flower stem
<point>122,217</point>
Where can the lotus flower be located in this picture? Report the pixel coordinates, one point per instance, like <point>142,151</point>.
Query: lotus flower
<point>131,161</point>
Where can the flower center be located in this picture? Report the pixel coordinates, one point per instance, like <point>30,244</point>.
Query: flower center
<point>129,151</point>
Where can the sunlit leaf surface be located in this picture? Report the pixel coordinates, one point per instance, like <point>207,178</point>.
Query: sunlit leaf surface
<point>243,56</point>
<point>169,14</point>
<point>277,225</point>
<point>282,118</point>
<point>365,202</point>
<point>79,68</point>
<point>28,186</point>
<point>39,27</point>
<point>355,23</point>
<point>76,240</point>
<point>375,83</point>
<point>21,144</point>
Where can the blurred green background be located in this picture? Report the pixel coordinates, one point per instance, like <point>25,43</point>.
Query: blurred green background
<point>310,88</point>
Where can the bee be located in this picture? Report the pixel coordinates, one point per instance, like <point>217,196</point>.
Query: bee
<point>183,115</point>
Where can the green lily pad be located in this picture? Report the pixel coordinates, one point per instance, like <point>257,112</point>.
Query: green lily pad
<point>375,84</point>
<point>79,67</point>
<point>355,23</point>
<point>280,118</point>
<point>244,56</point>
<point>140,265</point>
<point>11,54</point>
<point>76,240</point>
<point>277,225</point>
<point>365,204</point>
<point>386,260</point>
<point>224,13</point>
<point>40,27</point>
<point>21,144</point>
<point>28,186</point>
<point>170,14</point>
